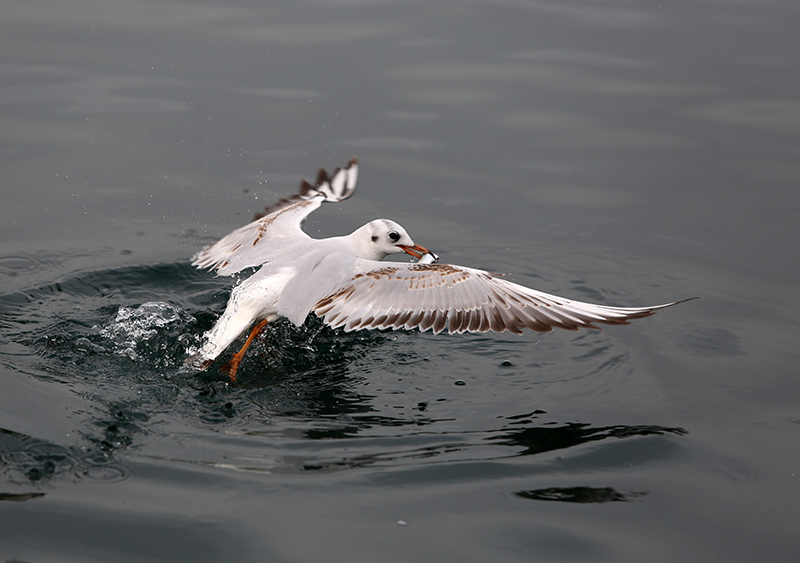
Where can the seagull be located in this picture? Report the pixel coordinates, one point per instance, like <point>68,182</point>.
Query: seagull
<point>343,281</point>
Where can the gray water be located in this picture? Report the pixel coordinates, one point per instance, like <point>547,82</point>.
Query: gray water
<point>615,152</point>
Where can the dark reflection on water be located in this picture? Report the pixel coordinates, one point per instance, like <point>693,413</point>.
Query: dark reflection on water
<point>472,445</point>
<point>19,497</point>
<point>582,495</point>
<point>538,440</point>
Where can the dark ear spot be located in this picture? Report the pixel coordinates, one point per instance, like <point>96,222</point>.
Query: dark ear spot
<point>394,236</point>
<point>374,238</point>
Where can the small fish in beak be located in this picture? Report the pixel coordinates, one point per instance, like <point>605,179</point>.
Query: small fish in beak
<point>428,258</point>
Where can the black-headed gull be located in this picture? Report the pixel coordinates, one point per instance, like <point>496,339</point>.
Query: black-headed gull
<point>343,281</point>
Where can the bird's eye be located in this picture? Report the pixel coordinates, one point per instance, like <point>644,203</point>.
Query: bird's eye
<point>395,236</point>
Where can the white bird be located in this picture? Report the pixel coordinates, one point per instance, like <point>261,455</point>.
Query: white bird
<point>342,280</point>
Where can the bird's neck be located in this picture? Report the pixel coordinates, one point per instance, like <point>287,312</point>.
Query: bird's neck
<point>359,242</point>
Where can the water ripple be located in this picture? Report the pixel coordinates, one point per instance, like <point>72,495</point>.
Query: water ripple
<point>323,400</point>
<point>24,459</point>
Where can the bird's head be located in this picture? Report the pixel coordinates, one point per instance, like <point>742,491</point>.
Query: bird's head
<point>381,237</point>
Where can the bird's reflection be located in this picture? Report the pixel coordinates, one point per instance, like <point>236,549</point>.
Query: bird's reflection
<point>581,495</point>
<point>537,440</point>
<point>428,446</point>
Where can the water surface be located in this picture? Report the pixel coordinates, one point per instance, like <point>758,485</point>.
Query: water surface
<point>616,153</point>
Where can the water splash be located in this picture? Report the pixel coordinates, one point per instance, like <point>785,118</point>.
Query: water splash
<point>134,326</point>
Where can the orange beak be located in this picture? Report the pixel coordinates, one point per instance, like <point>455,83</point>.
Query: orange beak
<point>416,251</point>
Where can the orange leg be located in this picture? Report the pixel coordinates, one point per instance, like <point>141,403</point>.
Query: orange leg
<point>231,367</point>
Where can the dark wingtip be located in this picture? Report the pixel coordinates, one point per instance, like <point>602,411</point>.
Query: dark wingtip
<point>676,303</point>
<point>306,188</point>
<point>322,176</point>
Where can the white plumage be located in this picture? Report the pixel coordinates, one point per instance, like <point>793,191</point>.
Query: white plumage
<point>343,281</point>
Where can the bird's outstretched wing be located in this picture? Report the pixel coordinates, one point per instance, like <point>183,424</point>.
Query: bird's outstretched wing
<point>246,246</point>
<point>338,186</point>
<point>440,296</point>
